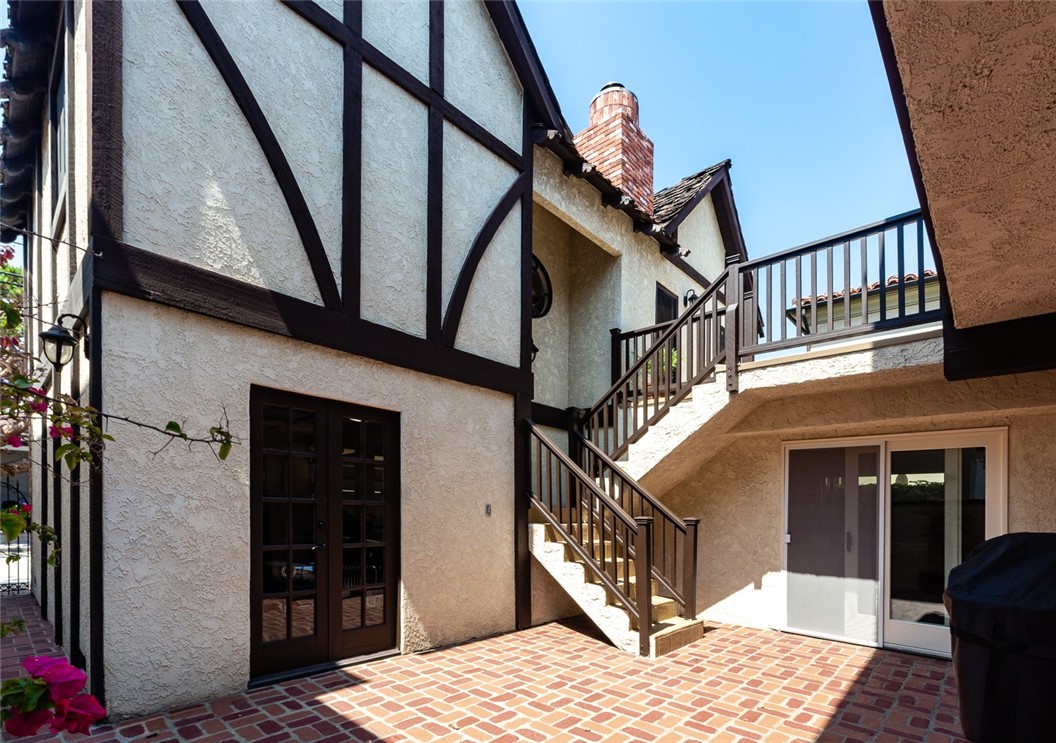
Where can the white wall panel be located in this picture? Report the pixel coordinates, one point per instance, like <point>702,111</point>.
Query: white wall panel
<point>296,73</point>
<point>197,185</point>
<point>400,30</point>
<point>394,201</point>
<point>478,77</point>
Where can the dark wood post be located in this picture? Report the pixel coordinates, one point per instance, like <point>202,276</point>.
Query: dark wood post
<point>733,323</point>
<point>689,569</point>
<point>522,504</point>
<point>643,570</point>
<point>617,355</point>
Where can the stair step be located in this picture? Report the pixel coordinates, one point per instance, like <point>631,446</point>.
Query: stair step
<point>664,608</point>
<point>670,635</point>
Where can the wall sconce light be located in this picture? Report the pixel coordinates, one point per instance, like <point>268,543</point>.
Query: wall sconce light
<point>535,350</point>
<point>690,298</point>
<point>60,341</point>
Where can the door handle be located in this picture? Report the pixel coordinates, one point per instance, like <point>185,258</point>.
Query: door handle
<point>319,545</point>
<point>850,541</point>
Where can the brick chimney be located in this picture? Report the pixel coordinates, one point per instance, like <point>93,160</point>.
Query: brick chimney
<point>615,145</point>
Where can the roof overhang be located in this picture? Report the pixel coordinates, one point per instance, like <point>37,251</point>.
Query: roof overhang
<point>978,89</point>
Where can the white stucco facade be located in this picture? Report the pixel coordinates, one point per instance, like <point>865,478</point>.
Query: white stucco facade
<point>177,524</point>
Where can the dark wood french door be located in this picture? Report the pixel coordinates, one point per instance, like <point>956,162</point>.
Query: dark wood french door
<point>325,531</point>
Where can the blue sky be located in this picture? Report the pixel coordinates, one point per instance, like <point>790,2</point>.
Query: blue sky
<point>794,93</point>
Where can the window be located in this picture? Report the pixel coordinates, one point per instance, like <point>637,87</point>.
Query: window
<point>666,305</point>
<point>542,289</point>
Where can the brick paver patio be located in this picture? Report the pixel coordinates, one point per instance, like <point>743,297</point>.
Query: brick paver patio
<point>559,683</point>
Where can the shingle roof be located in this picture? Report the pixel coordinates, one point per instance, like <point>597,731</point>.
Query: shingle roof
<point>668,202</point>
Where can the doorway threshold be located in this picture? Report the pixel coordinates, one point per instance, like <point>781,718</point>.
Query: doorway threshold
<point>296,673</point>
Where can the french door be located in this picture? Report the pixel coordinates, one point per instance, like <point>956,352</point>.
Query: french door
<point>324,531</point>
<point>873,528</point>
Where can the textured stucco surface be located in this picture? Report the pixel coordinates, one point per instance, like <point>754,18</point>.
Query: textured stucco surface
<point>551,244</point>
<point>394,217</point>
<point>736,488</point>
<point>699,235</point>
<point>594,285</point>
<point>399,29</point>
<point>478,76</point>
<point>980,87</point>
<point>197,187</point>
<point>177,525</point>
<point>474,183</point>
<point>305,116</point>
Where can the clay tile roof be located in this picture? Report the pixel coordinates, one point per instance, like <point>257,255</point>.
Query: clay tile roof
<point>909,278</point>
<point>668,202</point>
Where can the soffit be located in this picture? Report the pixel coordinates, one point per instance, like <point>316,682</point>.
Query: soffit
<point>980,89</point>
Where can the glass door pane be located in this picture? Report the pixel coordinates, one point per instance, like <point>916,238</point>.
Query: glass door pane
<point>832,541</point>
<point>937,515</point>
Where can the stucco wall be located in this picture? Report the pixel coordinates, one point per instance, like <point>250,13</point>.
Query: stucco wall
<point>478,76</point>
<point>699,235</point>
<point>177,524</point>
<point>394,206</point>
<point>551,244</point>
<point>594,284</point>
<point>738,490</point>
<point>474,183</point>
<point>196,184</point>
<point>399,29</point>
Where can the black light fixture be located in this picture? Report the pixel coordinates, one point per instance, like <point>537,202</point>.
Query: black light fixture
<point>535,350</point>
<point>690,298</point>
<point>59,342</point>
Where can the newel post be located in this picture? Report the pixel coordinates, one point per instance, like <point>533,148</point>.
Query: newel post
<point>616,356</point>
<point>689,569</point>
<point>733,321</point>
<point>643,571</point>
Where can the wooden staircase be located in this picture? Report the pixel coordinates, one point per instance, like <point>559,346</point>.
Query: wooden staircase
<point>596,532</point>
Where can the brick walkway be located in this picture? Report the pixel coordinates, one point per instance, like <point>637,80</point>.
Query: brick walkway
<point>557,683</point>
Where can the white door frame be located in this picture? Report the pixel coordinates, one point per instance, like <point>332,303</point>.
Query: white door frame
<point>935,639</point>
<point>996,442</point>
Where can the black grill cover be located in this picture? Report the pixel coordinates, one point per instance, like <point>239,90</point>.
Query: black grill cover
<point>1002,607</point>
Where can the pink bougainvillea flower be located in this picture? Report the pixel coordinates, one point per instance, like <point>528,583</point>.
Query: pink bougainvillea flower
<point>60,432</point>
<point>37,665</point>
<point>14,440</point>
<point>64,682</point>
<point>27,723</point>
<point>37,406</point>
<point>77,715</point>
<point>26,508</point>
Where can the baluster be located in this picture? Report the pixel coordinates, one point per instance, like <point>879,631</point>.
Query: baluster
<point>689,569</point>
<point>784,301</point>
<point>770,302</point>
<point>900,247</point>
<point>798,300</point>
<point>847,284</point>
<point>920,266</point>
<point>812,326</point>
<point>865,280</point>
<point>830,325</point>
<point>883,278</point>
<point>643,552</point>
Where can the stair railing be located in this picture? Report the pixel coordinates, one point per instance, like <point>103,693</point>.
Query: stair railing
<point>674,555</point>
<point>681,357</point>
<point>604,538</point>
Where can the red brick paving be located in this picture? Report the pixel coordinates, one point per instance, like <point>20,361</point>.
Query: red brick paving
<point>559,683</point>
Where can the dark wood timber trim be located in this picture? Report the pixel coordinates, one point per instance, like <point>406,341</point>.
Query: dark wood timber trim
<point>434,264</point>
<point>152,277</point>
<point>106,204</point>
<point>410,84</point>
<point>44,508</point>
<point>97,676</point>
<point>729,221</point>
<point>1009,347</point>
<point>460,293</point>
<point>436,46</point>
<point>522,564</point>
<point>527,223</point>
<point>56,517</point>
<point>73,551</point>
<point>682,265</point>
<point>549,416</point>
<point>269,144</point>
<point>352,167</point>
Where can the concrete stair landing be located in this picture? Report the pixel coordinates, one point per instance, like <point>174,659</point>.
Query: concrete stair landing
<point>669,631</point>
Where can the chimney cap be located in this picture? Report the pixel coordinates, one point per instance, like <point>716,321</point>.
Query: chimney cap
<point>614,86</point>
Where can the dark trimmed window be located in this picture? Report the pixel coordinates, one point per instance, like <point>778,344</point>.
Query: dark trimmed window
<point>666,305</point>
<point>542,289</point>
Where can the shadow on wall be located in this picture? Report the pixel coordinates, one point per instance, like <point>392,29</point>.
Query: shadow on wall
<point>901,696</point>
